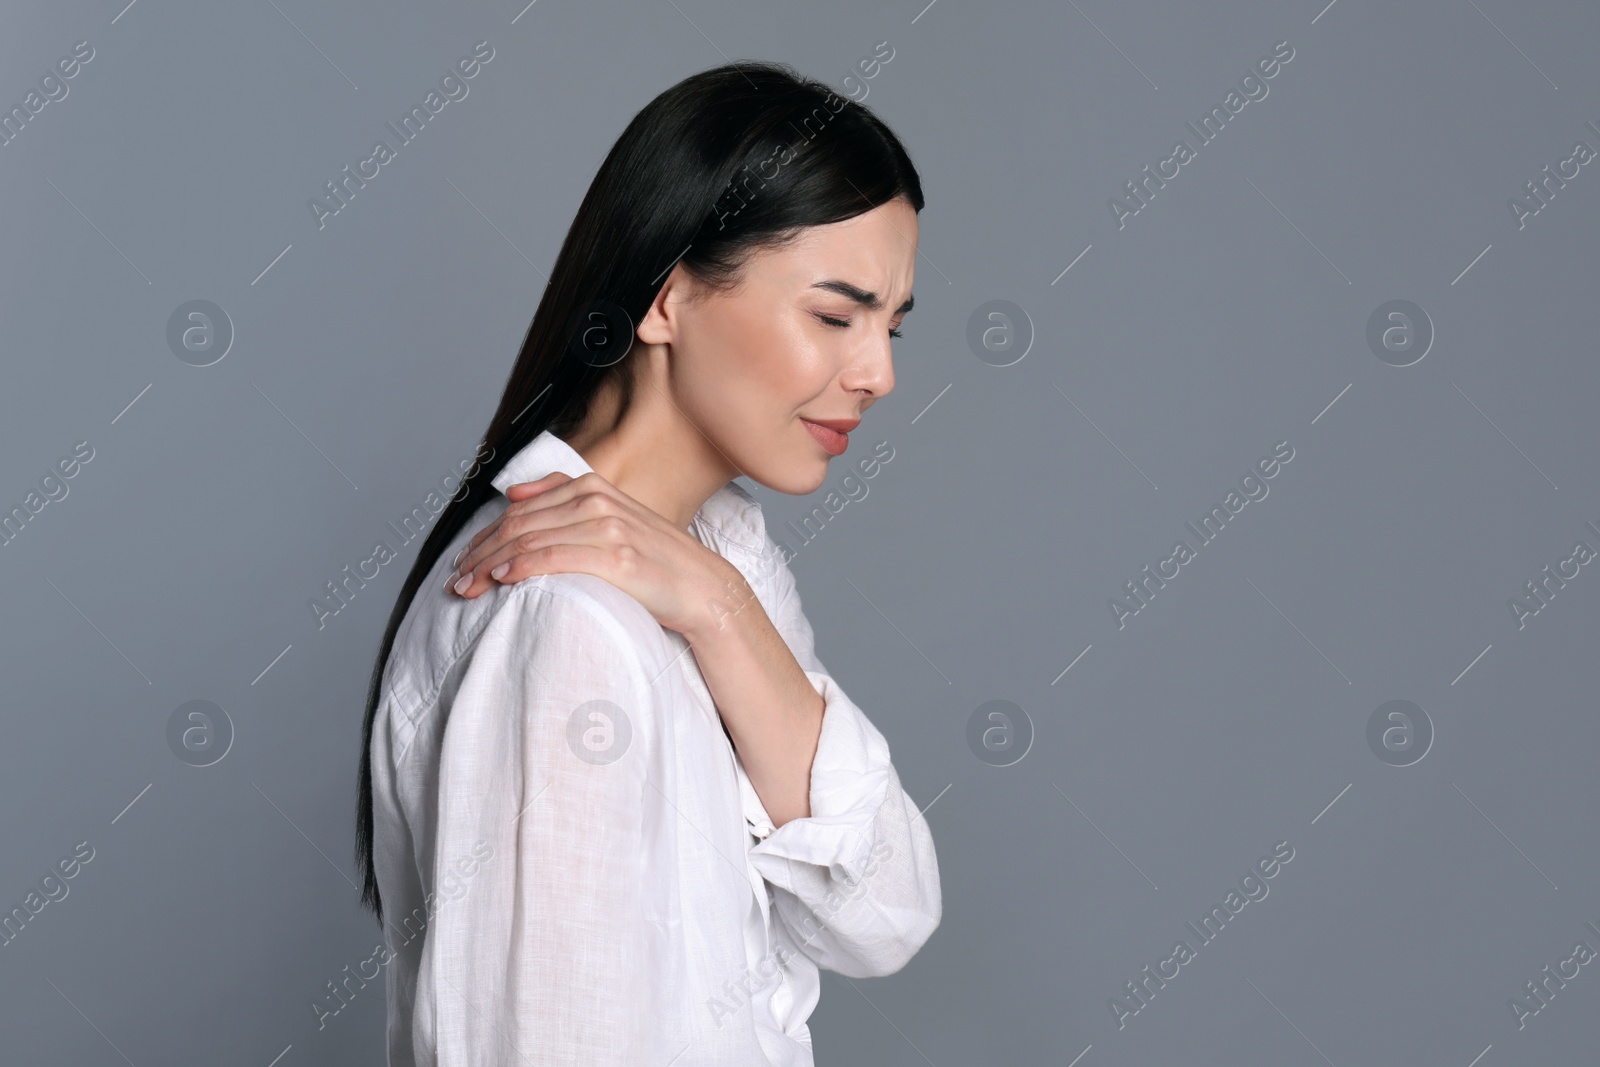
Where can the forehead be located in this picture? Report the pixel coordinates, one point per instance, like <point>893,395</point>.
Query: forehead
<point>875,250</point>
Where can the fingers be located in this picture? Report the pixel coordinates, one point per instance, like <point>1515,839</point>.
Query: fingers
<point>511,543</point>
<point>536,553</point>
<point>525,490</point>
<point>496,531</point>
<point>472,545</point>
<point>514,532</point>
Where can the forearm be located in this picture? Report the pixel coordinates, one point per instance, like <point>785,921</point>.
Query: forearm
<point>772,711</point>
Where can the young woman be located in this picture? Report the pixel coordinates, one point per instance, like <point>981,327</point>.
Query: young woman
<point>613,809</point>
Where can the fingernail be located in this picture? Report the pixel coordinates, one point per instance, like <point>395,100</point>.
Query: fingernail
<point>500,571</point>
<point>464,584</point>
<point>450,581</point>
<point>457,561</point>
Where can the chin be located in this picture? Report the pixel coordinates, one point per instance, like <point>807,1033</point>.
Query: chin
<point>796,480</point>
<point>819,476</point>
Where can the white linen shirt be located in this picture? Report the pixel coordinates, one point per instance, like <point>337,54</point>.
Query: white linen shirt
<point>574,866</point>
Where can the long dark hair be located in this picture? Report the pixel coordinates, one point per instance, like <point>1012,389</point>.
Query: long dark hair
<point>726,162</point>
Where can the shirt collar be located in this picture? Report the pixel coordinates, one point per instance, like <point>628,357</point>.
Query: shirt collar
<point>730,512</point>
<point>543,455</point>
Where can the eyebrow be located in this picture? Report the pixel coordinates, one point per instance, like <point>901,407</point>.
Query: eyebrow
<point>861,296</point>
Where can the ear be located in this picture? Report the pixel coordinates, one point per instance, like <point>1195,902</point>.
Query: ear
<point>659,325</point>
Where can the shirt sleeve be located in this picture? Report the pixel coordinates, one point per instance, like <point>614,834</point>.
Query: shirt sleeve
<point>856,882</point>
<point>553,950</point>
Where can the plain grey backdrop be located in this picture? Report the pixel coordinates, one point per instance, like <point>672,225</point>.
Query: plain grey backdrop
<point>1428,542</point>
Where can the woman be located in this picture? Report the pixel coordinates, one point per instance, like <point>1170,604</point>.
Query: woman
<point>617,810</point>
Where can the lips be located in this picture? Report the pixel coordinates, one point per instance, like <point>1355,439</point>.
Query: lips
<point>841,425</point>
<point>831,434</point>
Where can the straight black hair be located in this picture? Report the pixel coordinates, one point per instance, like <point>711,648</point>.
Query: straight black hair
<point>726,162</point>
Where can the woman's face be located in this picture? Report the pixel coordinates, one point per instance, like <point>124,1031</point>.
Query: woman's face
<point>805,336</point>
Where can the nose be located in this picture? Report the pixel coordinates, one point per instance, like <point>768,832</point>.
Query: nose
<point>872,372</point>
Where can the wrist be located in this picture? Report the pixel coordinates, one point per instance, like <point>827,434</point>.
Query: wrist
<point>723,604</point>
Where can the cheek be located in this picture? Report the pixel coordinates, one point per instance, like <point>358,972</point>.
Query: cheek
<point>756,372</point>
<point>796,365</point>
<point>719,374</point>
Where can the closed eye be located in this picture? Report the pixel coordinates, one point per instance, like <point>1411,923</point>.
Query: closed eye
<point>831,321</point>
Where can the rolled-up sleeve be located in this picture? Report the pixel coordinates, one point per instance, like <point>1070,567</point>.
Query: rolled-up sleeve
<point>552,951</point>
<point>857,881</point>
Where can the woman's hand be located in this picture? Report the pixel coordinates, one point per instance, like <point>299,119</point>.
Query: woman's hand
<point>562,524</point>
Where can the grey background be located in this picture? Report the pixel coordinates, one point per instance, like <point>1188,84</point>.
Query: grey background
<point>1226,316</point>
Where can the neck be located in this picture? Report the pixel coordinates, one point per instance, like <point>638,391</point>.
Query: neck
<point>654,454</point>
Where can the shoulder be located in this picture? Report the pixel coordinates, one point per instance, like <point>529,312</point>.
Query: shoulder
<point>572,617</point>
<point>549,615</point>
<point>572,599</point>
